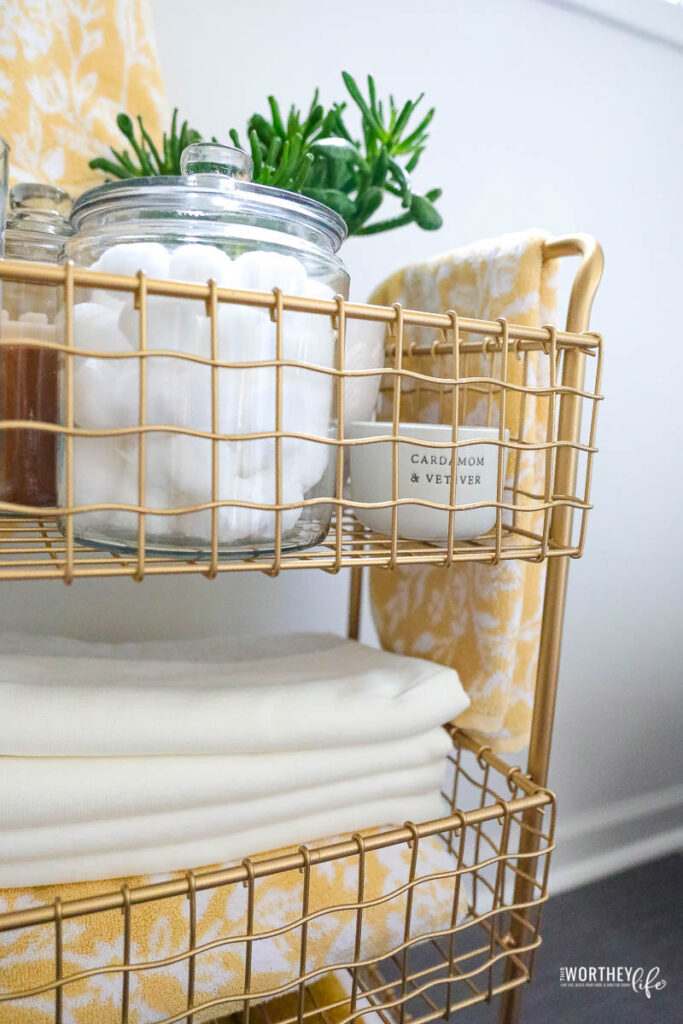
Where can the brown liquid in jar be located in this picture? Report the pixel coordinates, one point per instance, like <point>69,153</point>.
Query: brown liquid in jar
<point>28,391</point>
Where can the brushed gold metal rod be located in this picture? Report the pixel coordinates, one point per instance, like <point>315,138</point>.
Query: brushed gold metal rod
<point>46,273</point>
<point>581,299</point>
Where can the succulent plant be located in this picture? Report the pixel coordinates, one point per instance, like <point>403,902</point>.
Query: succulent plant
<point>315,154</point>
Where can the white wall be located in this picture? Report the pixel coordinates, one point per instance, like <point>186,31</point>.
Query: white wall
<point>544,117</point>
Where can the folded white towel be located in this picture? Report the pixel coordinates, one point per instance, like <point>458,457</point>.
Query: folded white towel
<point>228,695</point>
<point>304,817</point>
<point>40,791</point>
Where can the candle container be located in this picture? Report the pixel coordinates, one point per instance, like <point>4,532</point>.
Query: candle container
<point>424,479</point>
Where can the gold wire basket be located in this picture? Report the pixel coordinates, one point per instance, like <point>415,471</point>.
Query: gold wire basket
<point>39,543</point>
<point>423,977</point>
<point>501,845</point>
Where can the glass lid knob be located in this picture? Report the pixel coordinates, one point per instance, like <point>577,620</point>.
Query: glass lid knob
<point>212,158</point>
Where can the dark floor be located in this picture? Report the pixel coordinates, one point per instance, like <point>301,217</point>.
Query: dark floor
<point>634,918</point>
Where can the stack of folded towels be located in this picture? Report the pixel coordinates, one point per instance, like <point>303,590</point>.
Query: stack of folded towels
<point>127,759</point>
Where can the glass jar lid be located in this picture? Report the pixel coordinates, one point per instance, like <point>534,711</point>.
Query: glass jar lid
<point>217,190</point>
<point>38,221</point>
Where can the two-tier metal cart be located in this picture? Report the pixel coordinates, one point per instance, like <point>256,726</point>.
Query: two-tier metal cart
<point>501,819</point>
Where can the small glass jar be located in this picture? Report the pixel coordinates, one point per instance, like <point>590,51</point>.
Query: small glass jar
<point>245,236</point>
<point>36,231</point>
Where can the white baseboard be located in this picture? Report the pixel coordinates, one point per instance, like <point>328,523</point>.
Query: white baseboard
<point>616,837</point>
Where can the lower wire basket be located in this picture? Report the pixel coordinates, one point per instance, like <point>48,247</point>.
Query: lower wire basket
<point>421,920</point>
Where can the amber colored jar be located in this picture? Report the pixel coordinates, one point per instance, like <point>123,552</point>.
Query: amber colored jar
<point>29,375</point>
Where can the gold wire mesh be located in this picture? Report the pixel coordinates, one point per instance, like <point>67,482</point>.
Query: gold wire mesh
<point>423,977</point>
<point>446,369</point>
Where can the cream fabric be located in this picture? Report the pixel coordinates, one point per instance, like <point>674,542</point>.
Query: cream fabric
<point>67,68</point>
<point>43,791</point>
<point>482,620</point>
<point>227,695</point>
<point>102,847</point>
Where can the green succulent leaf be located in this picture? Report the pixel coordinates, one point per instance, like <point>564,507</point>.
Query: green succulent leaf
<point>425,214</point>
<point>354,170</point>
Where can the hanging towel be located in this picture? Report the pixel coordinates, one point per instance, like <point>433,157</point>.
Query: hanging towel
<point>160,929</point>
<point>300,691</point>
<point>66,71</point>
<point>482,620</point>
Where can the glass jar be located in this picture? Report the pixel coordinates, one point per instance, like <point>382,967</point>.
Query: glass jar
<point>36,230</point>
<point>245,236</point>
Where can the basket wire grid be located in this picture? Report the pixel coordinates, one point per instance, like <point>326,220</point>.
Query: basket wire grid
<point>39,543</point>
<point>424,977</point>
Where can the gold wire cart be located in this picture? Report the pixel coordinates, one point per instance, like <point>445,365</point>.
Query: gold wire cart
<point>501,843</point>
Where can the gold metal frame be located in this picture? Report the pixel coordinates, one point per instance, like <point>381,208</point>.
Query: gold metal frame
<point>33,547</point>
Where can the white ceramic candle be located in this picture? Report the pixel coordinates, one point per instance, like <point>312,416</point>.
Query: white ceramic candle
<point>424,473</point>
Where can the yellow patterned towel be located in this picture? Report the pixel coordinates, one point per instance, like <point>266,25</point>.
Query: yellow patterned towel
<point>161,929</point>
<point>483,621</point>
<point>67,68</point>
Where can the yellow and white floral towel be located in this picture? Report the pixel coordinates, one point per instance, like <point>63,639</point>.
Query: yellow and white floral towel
<point>67,68</point>
<point>161,929</point>
<point>483,621</point>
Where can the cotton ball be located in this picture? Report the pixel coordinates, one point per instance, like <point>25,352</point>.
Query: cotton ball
<point>104,297</point>
<point>101,476</point>
<point>307,402</point>
<point>263,271</point>
<point>178,393</point>
<point>245,334</point>
<point>112,300</point>
<point>364,350</point>
<point>309,337</point>
<point>96,328</point>
<point>158,465</point>
<point>106,393</point>
<point>315,289</point>
<point>105,390</point>
<point>252,525</point>
<point>306,461</point>
<point>201,263</point>
<point>192,468</point>
<point>171,324</point>
<point>255,455</point>
<point>127,258</point>
<point>248,400</point>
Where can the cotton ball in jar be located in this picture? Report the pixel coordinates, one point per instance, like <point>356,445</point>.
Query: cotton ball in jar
<point>96,329</point>
<point>172,324</point>
<point>101,477</point>
<point>105,391</point>
<point>179,393</point>
<point>248,400</point>
<point>364,350</point>
<point>245,334</point>
<point>201,263</point>
<point>310,337</point>
<point>127,258</point>
<point>260,488</point>
<point>307,462</point>
<point>263,271</point>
